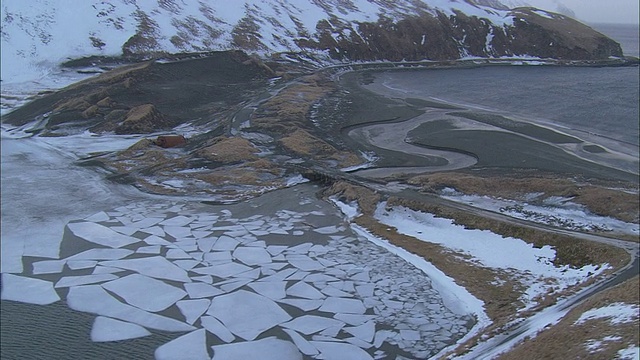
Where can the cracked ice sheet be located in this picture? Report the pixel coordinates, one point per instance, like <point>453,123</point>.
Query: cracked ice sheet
<point>99,234</point>
<point>145,293</point>
<point>191,346</point>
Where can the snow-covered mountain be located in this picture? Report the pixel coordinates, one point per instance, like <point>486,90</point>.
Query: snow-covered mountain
<point>38,34</point>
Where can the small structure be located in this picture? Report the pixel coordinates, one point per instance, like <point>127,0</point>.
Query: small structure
<point>168,141</point>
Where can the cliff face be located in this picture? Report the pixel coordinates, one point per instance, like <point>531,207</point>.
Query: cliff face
<point>348,30</point>
<point>440,37</point>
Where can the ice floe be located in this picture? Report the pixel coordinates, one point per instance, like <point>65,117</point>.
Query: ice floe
<point>100,234</point>
<point>247,314</point>
<point>108,329</point>
<point>145,293</point>
<point>27,290</point>
<point>192,346</point>
<point>266,349</point>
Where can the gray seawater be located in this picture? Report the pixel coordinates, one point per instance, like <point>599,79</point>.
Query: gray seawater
<point>595,100</point>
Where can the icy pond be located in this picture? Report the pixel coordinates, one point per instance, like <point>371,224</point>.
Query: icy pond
<point>230,283</point>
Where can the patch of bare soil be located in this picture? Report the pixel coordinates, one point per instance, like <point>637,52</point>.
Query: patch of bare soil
<point>568,340</point>
<point>302,143</point>
<point>229,150</point>
<point>613,199</point>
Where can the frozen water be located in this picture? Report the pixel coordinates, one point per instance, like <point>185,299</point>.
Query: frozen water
<point>81,264</point>
<point>246,314</point>
<point>156,267</point>
<point>83,280</point>
<point>304,290</point>
<point>192,346</point>
<point>193,309</point>
<point>94,299</point>
<point>304,262</point>
<point>339,350</point>
<point>101,254</point>
<point>252,255</point>
<point>177,221</point>
<point>265,349</point>
<point>145,293</point>
<point>99,234</point>
<point>225,243</point>
<point>48,266</point>
<point>198,290</point>
<point>186,264</point>
<point>178,232</point>
<point>341,305</point>
<point>27,290</point>
<point>305,305</point>
<point>222,271</point>
<point>303,345</point>
<point>365,332</point>
<point>108,329</point>
<point>311,324</point>
<point>272,289</point>
<point>216,328</point>
<point>353,319</point>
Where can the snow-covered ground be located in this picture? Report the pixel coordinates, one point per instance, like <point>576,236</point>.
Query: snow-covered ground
<point>555,211</point>
<point>532,267</point>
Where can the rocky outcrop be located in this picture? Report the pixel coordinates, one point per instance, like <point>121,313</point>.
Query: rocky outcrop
<point>141,120</point>
<point>440,37</point>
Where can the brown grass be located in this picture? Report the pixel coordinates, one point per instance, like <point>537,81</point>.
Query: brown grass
<point>599,198</point>
<point>304,144</point>
<point>567,341</point>
<point>230,150</point>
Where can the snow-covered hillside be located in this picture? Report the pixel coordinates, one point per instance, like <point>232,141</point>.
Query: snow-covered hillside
<point>39,34</point>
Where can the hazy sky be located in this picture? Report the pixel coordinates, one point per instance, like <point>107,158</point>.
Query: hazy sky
<point>596,11</point>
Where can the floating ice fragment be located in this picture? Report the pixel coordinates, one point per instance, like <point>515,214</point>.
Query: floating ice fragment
<point>225,243</point>
<point>365,291</point>
<point>101,254</point>
<point>304,290</point>
<point>272,289</point>
<point>358,342</point>
<point>198,290</point>
<point>303,345</point>
<point>365,332</point>
<point>94,299</point>
<point>305,305</point>
<point>327,230</point>
<point>192,346</point>
<point>155,240</point>
<point>205,279</point>
<point>155,249</point>
<point>411,335</point>
<point>177,221</point>
<point>124,230</point>
<point>178,232</point>
<point>264,349</point>
<point>216,328</point>
<point>101,216</point>
<point>338,350</point>
<point>108,329</point>
<point>310,324</point>
<point>235,284</point>
<point>177,254</point>
<point>222,271</point>
<point>276,249</point>
<point>145,293</point>
<point>106,270</point>
<point>155,266</point>
<point>304,262</point>
<point>354,319</point>
<point>81,264</point>
<point>48,266</point>
<point>99,234</point>
<point>252,255</point>
<point>186,264</point>
<point>341,305</point>
<point>246,314</point>
<point>27,290</point>
<point>193,309</point>
<point>68,281</point>
<point>218,256</point>
<point>205,243</point>
<point>154,230</point>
